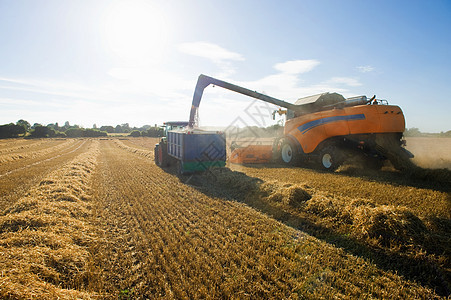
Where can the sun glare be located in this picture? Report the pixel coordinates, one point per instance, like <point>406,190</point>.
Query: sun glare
<point>136,32</point>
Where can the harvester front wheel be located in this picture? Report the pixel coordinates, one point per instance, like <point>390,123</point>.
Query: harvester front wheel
<point>288,153</point>
<point>330,158</point>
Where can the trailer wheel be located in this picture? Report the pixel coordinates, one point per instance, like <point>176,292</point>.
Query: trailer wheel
<point>288,153</point>
<point>180,168</point>
<point>163,157</point>
<point>330,158</point>
<point>156,155</point>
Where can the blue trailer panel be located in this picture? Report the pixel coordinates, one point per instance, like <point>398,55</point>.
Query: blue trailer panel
<point>197,150</point>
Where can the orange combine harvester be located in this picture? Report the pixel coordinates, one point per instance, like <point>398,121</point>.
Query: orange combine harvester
<point>326,128</point>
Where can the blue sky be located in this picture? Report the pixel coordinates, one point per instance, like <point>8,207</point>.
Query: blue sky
<point>137,62</point>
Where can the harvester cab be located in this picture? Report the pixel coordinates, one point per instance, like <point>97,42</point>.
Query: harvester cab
<point>325,128</point>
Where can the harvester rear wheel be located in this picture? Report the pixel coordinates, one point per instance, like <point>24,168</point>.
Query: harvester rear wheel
<point>330,158</point>
<point>373,163</point>
<point>288,153</point>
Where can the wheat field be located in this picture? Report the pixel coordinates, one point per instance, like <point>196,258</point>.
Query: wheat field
<point>97,219</point>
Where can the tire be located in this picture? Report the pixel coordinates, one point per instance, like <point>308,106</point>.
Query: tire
<point>330,158</point>
<point>288,153</point>
<point>179,168</point>
<point>161,156</point>
<point>374,163</point>
<point>156,155</point>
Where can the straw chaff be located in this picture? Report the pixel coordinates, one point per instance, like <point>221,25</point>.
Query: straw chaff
<point>45,236</point>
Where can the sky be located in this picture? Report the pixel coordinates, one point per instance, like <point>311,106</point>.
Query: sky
<point>137,61</point>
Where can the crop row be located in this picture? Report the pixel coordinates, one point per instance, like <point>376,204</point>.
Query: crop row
<point>14,146</point>
<point>77,146</point>
<point>7,143</point>
<point>32,154</point>
<point>144,142</point>
<point>141,152</point>
<point>44,237</point>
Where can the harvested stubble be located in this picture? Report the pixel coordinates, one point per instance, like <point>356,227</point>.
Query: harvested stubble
<point>12,142</point>
<point>394,231</point>
<point>424,198</point>
<point>141,152</point>
<point>44,237</point>
<point>146,143</point>
<point>165,239</point>
<point>20,146</point>
<point>4,158</point>
<point>17,177</point>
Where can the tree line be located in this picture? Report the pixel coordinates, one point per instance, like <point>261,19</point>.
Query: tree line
<point>23,128</point>
<point>415,132</point>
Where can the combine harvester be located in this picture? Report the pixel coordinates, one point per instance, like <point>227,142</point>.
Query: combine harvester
<point>326,128</point>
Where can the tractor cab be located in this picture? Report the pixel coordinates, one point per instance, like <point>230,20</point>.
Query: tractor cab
<point>176,125</point>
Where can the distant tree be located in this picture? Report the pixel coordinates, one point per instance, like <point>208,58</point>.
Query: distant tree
<point>154,132</point>
<point>109,129</point>
<point>51,125</point>
<point>118,129</point>
<point>11,130</point>
<point>74,132</point>
<point>144,128</point>
<point>25,124</point>
<point>94,126</point>
<point>412,132</point>
<point>125,128</point>
<point>445,134</point>
<point>35,125</point>
<point>80,132</point>
<point>135,133</point>
<point>93,133</point>
<point>42,132</point>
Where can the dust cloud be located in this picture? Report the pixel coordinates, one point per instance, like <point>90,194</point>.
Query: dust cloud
<point>434,153</point>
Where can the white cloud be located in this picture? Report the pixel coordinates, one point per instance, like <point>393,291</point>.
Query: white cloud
<point>365,69</point>
<point>346,80</point>
<point>57,88</point>
<point>210,51</point>
<point>297,66</point>
<point>287,84</point>
<point>220,56</point>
